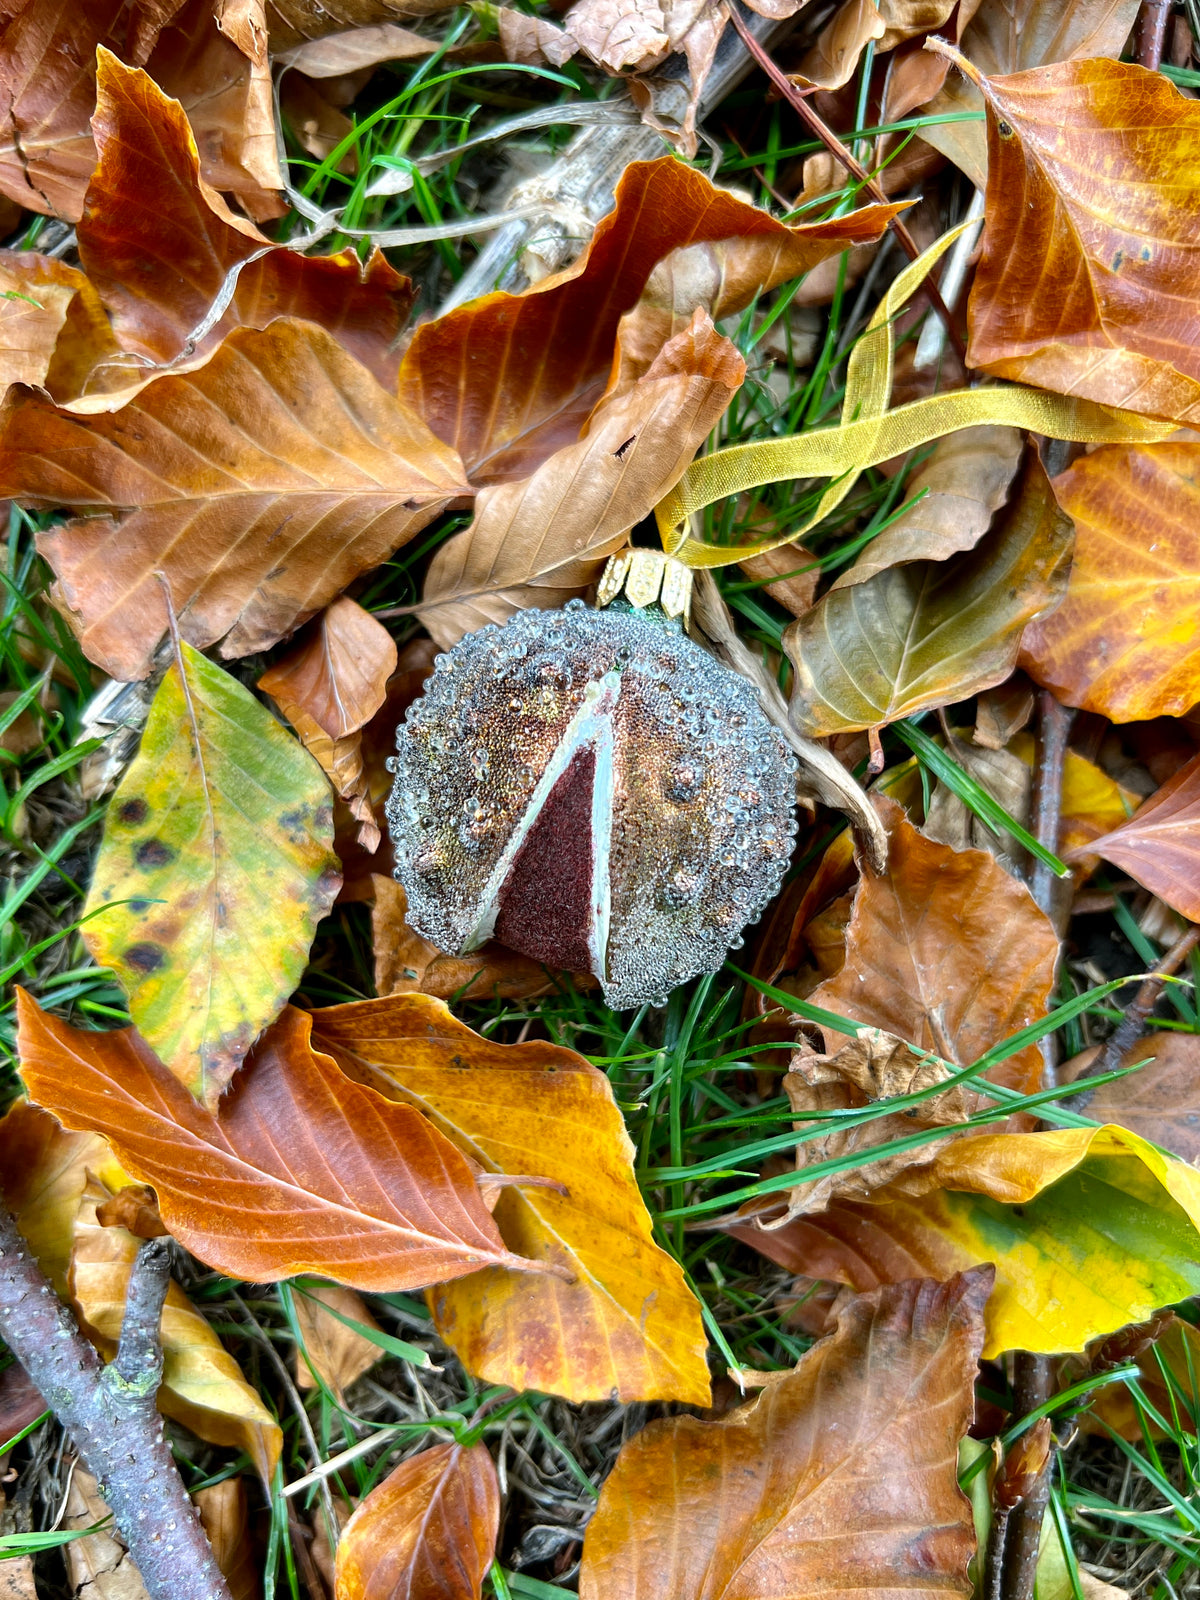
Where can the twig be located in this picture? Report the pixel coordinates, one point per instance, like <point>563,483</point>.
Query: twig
<point>1033,1385</point>
<point>1152,33</point>
<point>838,150</point>
<point>110,1413</point>
<point>1133,1024</point>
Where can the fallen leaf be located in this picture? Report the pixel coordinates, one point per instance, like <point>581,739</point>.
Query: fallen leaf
<point>302,1170</point>
<point>223,1511</point>
<point>133,1208</point>
<point>621,35</point>
<point>21,1404</point>
<point>406,964</point>
<point>509,379</point>
<point>842,1476</point>
<point>293,21</point>
<point>1178,1347</point>
<point>1088,1229</point>
<point>947,951</point>
<point>158,243</point>
<point>1092,802</point>
<point>788,574</point>
<point>1012,37</point>
<point>36,293</point>
<point>202,1385</point>
<point>339,674</point>
<point>343,53</point>
<point>1085,160</point>
<point>1161,1101</point>
<point>1123,642</point>
<point>1009,781</point>
<point>427,1532</point>
<point>1003,712</point>
<point>261,484</point>
<point>1159,846</point>
<point>215,866</point>
<point>338,1355</point>
<point>43,1170</point>
<point>930,632</point>
<point>540,540</point>
<point>98,1564</point>
<point>625,1324</point>
<point>965,480</point>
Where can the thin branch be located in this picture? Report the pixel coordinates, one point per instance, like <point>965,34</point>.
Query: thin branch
<point>111,1417</point>
<point>795,98</point>
<point>139,1358</point>
<point>1152,33</point>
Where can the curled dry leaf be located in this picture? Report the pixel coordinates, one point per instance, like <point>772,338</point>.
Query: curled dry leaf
<point>223,1511</point>
<point>1013,37</point>
<point>1088,1229</point>
<point>950,502</point>
<point>407,964</point>
<point>930,632</point>
<point>1159,846</point>
<point>158,244</point>
<point>260,484</point>
<point>622,1322</point>
<point>1161,1101</point>
<point>788,574</point>
<point>293,21</point>
<point>1003,775</point>
<point>98,1564</point>
<point>301,1171</point>
<point>875,1066</point>
<point>946,951</point>
<point>215,866</point>
<point>202,1385</point>
<point>427,1532</point>
<point>540,540</point>
<point>1088,283</point>
<point>842,1476</point>
<point>509,379</point>
<point>334,1353</point>
<point>833,59</point>
<point>38,295</point>
<point>329,689</point>
<point>1124,641</point>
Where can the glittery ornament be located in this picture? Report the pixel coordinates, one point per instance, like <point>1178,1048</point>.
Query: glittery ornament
<point>595,790</point>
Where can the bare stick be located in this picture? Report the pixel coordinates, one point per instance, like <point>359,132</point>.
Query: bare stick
<point>1152,33</point>
<point>1133,1024</point>
<point>795,98</point>
<point>110,1414</point>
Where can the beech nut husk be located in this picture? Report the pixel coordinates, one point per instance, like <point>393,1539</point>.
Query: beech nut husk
<point>595,790</point>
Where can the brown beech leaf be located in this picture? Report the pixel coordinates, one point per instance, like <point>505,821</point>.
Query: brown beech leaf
<point>427,1532</point>
<point>158,243</point>
<point>39,293</point>
<point>833,59</point>
<point>1014,36</point>
<point>260,484</point>
<point>1124,640</point>
<point>225,1515</point>
<point>407,964</point>
<point>964,481</point>
<point>788,574</point>
<point>1088,283</point>
<point>930,632</point>
<point>1161,1101</point>
<point>540,540</point>
<point>339,674</point>
<point>98,1563</point>
<point>336,1354</point>
<point>947,951</point>
<point>841,1477</point>
<point>1159,846</point>
<point>292,21</point>
<point>625,1324</point>
<point>509,379</point>
<point>302,1170</point>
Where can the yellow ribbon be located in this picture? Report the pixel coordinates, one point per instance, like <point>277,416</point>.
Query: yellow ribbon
<point>869,433</point>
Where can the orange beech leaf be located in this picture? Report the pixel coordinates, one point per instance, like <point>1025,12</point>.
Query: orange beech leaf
<point>947,951</point>
<point>158,242</point>
<point>405,963</point>
<point>427,1532</point>
<point>1159,846</point>
<point>1161,1101</point>
<point>1010,37</point>
<point>1124,641</point>
<point>260,484</point>
<point>508,379</point>
<point>1089,282</point>
<point>842,1477</point>
<point>339,674</point>
<point>623,1323</point>
<point>301,1170</point>
<point>539,541</point>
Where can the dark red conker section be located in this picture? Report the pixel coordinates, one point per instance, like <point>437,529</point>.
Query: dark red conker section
<point>546,902</point>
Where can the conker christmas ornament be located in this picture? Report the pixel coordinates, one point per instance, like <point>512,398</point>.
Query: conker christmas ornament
<point>593,789</point>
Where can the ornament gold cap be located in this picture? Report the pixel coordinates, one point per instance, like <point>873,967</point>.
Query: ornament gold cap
<point>646,578</point>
